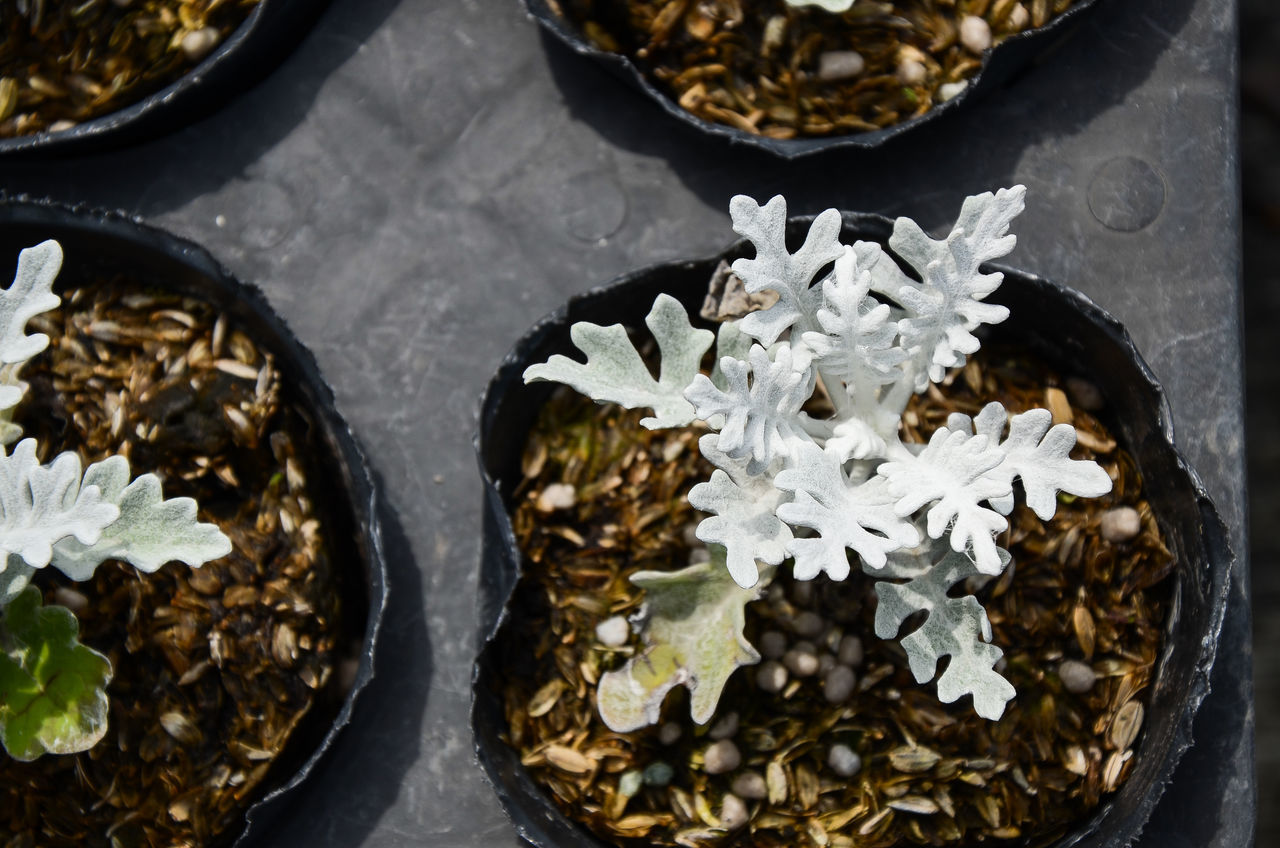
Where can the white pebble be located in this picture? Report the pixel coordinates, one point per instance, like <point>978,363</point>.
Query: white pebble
<point>771,676</point>
<point>630,782</point>
<point>733,813</point>
<point>801,660</point>
<point>835,65</point>
<point>951,90</point>
<point>1077,677</point>
<point>1121,524</point>
<point>725,727</point>
<point>750,785</point>
<point>773,644</point>
<point>844,761</point>
<point>1019,17</point>
<point>975,33</point>
<point>669,733</point>
<point>613,632</point>
<point>556,496</point>
<point>808,624</point>
<point>200,43</point>
<point>722,757</point>
<point>838,684</point>
<point>62,126</point>
<point>911,72</point>
<point>850,652</point>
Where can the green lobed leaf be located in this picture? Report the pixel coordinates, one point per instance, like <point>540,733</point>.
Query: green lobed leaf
<point>52,688</point>
<point>692,629</point>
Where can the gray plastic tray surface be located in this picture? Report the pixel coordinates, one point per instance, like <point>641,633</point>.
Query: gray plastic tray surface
<point>420,181</point>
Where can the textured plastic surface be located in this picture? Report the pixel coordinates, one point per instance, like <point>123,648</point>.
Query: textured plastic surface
<point>96,244</point>
<point>1067,330</point>
<point>999,64</point>
<point>273,28</point>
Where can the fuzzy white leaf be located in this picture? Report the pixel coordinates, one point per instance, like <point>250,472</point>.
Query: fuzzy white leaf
<point>853,438</point>
<point>149,532</point>
<point>743,520</point>
<point>843,515</point>
<point>762,420</point>
<point>692,621</point>
<point>947,305</point>
<point>15,574</point>
<point>954,627</point>
<point>952,470</point>
<point>41,504</point>
<point>775,268</point>
<point>615,372</point>
<point>857,344</point>
<point>29,295</point>
<point>1037,454</point>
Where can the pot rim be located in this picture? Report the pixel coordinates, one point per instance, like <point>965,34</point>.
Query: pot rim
<point>994,69</point>
<point>247,55</point>
<point>1213,536</point>
<point>314,394</point>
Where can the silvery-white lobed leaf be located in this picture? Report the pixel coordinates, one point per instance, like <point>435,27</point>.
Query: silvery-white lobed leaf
<point>693,622</point>
<point>743,520</point>
<point>1040,456</point>
<point>853,438</point>
<point>615,372</point>
<point>30,294</point>
<point>149,532</point>
<point>955,627</point>
<point>730,342</point>
<point>857,344</point>
<point>948,304</point>
<point>952,470</point>
<point>10,396</point>
<point>842,514</point>
<point>41,504</point>
<point>777,269</point>
<point>762,419</point>
<point>15,574</point>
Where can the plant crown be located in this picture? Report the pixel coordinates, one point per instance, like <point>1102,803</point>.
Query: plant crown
<point>52,688</point>
<point>922,518</point>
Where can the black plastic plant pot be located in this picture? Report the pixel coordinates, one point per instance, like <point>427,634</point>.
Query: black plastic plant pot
<point>1061,327</point>
<point>270,32</point>
<point>999,65</point>
<point>98,245</point>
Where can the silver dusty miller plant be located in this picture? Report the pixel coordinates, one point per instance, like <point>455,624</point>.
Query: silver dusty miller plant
<point>920,517</point>
<point>52,688</point>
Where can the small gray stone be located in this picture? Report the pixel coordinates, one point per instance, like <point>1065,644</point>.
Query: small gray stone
<point>850,652</point>
<point>808,624</point>
<point>773,644</point>
<point>826,662</point>
<point>629,783</point>
<point>776,594</point>
<point>912,72</point>
<point>1077,677</point>
<point>556,496</point>
<point>1121,524</point>
<point>802,660</point>
<point>975,33</point>
<point>840,65</point>
<point>733,813</point>
<point>1085,394</point>
<point>725,727</point>
<point>200,43</point>
<point>838,684</point>
<point>771,676</point>
<point>802,593</point>
<point>658,774</point>
<point>721,757</point>
<point>613,632</point>
<point>750,785</point>
<point>844,761</point>
<point>669,733</point>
